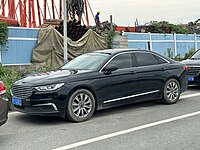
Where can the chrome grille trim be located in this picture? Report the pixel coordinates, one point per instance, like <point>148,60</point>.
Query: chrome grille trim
<point>21,91</point>
<point>47,104</point>
<point>193,71</point>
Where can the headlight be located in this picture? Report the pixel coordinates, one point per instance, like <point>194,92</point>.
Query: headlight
<point>51,87</point>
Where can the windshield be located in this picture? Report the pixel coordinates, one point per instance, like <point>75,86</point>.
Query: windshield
<point>90,61</point>
<point>196,55</point>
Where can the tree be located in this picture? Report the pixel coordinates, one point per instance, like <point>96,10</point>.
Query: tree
<point>194,26</point>
<point>166,27</point>
<point>3,35</point>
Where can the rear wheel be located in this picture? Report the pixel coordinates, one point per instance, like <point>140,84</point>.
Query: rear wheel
<point>171,92</point>
<point>81,106</point>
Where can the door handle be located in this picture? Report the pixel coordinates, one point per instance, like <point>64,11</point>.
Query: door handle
<point>163,69</point>
<point>132,72</point>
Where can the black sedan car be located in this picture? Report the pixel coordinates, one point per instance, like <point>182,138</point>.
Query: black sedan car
<point>193,64</point>
<point>3,104</point>
<point>99,80</point>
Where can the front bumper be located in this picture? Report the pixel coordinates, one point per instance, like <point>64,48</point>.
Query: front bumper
<point>195,81</point>
<point>50,103</point>
<point>3,110</point>
<point>45,109</point>
<point>193,73</point>
<point>45,103</point>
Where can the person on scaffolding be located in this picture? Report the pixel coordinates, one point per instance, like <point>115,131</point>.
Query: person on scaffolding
<point>97,20</point>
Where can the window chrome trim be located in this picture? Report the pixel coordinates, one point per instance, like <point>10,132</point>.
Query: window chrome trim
<point>47,104</point>
<point>162,58</point>
<point>192,66</point>
<point>133,52</point>
<point>122,98</point>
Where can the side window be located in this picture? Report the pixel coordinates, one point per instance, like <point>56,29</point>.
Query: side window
<point>145,59</point>
<point>122,61</point>
<point>160,60</point>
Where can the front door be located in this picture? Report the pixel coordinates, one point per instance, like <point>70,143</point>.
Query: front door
<point>118,86</point>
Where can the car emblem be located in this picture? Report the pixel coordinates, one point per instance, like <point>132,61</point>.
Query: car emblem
<point>19,82</point>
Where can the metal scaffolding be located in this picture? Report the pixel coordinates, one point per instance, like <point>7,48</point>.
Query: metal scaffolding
<point>33,13</point>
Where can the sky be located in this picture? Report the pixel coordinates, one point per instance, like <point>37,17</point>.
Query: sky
<point>125,12</point>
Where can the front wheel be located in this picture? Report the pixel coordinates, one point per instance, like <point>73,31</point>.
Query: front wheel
<point>81,106</point>
<point>171,92</point>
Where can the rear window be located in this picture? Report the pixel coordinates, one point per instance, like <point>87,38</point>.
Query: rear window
<point>160,60</point>
<point>146,59</point>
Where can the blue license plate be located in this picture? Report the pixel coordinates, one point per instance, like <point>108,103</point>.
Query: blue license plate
<point>17,101</point>
<point>190,79</point>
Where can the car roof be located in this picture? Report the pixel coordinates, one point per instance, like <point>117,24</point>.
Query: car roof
<point>115,51</point>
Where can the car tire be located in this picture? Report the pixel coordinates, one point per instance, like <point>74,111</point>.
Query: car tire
<point>171,92</point>
<point>81,106</point>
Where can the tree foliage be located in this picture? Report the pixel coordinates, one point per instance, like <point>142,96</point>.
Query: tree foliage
<point>3,34</point>
<point>111,35</point>
<point>166,27</point>
<point>189,53</point>
<point>194,23</point>
<point>8,76</point>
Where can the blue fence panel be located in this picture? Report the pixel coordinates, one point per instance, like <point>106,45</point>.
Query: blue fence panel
<point>198,37</point>
<point>22,32</point>
<point>160,43</point>
<point>21,42</point>
<point>19,52</point>
<point>138,45</point>
<point>198,45</point>
<point>162,47</point>
<point>185,37</point>
<point>183,48</point>
<point>162,36</point>
<point>140,40</point>
<point>137,36</point>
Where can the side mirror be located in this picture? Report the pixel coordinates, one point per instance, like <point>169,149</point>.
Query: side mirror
<point>110,68</point>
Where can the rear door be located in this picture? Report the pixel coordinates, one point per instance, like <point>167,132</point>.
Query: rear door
<point>151,74</point>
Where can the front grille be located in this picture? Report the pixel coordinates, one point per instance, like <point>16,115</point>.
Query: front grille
<point>193,71</point>
<point>20,91</point>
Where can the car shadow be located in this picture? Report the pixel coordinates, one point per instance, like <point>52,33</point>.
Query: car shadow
<point>127,108</point>
<point>193,87</point>
<point>51,120</point>
<point>40,120</point>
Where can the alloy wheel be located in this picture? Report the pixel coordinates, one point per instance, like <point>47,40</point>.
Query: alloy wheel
<point>82,105</point>
<point>172,91</point>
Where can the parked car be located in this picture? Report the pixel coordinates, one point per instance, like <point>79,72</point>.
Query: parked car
<point>100,80</point>
<point>3,104</point>
<point>193,68</point>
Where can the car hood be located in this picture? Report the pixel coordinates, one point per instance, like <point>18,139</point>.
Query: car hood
<point>191,62</point>
<point>45,78</point>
